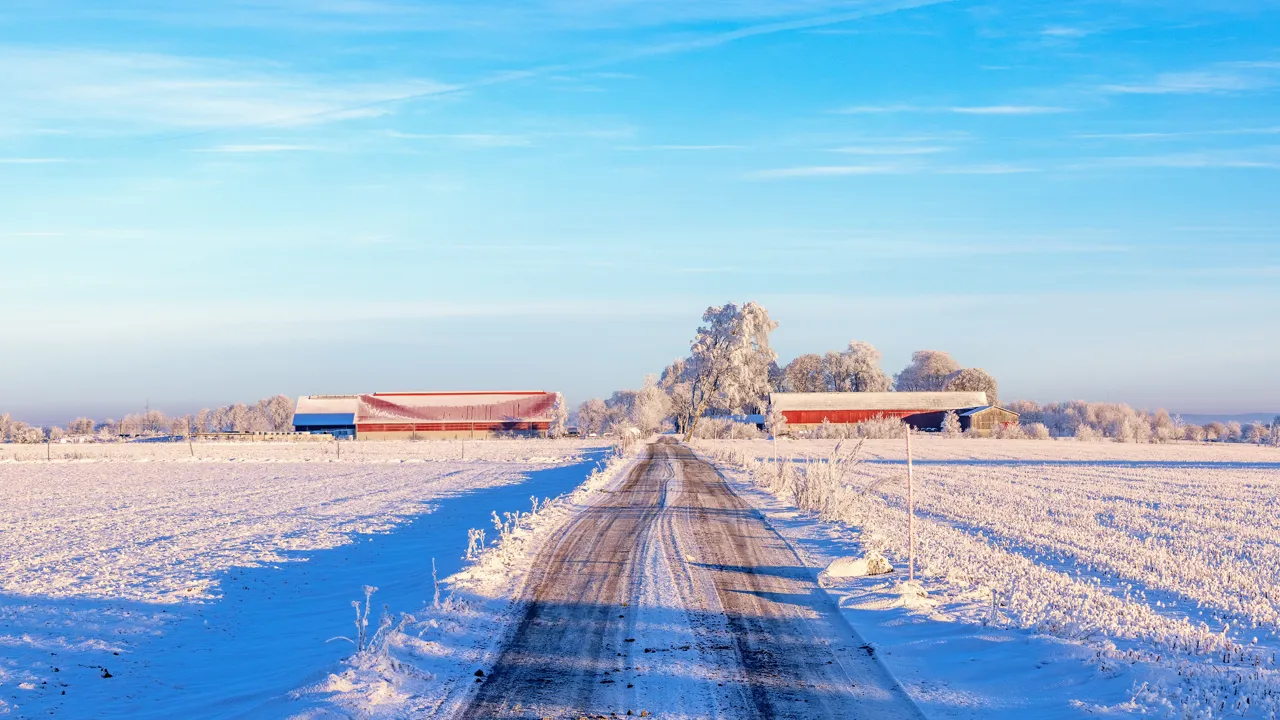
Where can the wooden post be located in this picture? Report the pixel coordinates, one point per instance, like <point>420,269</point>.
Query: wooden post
<point>911,514</point>
<point>190,447</point>
<point>338,443</point>
<point>48,448</point>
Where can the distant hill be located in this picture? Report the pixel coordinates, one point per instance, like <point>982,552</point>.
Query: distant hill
<point>1243,418</point>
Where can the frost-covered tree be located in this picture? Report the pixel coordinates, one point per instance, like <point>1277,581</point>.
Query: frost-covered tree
<point>81,426</point>
<point>928,371</point>
<point>1215,431</point>
<point>22,433</point>
<point>591,416</point>
<point>279,411</point>
<point>651,407</point>
<point>1234,432</point>
<point>805,374</point>
<point>1256,433</point>
<point>973,380</point>
<point>675,382</point>
<point>775,422</point>
<point>55,433</point>
<point>559,418</point>
<point>857,369</point>
<point>951,424</point>
<point>728,368</point>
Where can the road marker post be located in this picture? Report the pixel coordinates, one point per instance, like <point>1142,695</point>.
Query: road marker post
<point>911,514</point>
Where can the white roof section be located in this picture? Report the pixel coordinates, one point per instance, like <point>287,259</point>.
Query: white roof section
<point>921,401</point>
<point>328,404</point>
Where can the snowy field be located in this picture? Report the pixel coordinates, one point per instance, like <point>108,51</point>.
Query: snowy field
<point>140,579</point>
<point>1059,578</point>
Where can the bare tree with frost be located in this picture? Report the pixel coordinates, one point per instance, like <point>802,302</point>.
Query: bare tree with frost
<point>729,366</point>
<point>591,416</point>
<point>805,374</point>
<point>857,369</point>
<point>928,371</point>
<point>559,418</point>
<point>652,406</point>
<point>973,380</point>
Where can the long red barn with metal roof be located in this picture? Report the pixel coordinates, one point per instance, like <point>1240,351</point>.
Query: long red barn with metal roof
<point>805,411</point>
<point>436,415</point>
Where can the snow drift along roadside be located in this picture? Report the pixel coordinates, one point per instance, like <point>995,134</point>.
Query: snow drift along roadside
<point>428,663</point>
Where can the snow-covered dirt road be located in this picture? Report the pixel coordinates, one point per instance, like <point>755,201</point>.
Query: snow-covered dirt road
<point>672,595</point>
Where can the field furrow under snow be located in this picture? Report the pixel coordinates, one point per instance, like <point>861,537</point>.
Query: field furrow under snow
<point>1165,560</point>
<point>122,565</point>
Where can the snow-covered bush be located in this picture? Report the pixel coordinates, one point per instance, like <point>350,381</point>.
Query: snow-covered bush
<point>1096,421</point>
<point>726,429</point>
<point>879,428</point>
<point>1037,431</point>
<point>951,424</point>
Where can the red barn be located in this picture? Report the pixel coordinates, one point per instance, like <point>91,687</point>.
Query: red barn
<point>805,411</point>
<point>408,415</point>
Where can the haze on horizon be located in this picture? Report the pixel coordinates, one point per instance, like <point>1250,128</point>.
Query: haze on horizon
<point>212,204</point>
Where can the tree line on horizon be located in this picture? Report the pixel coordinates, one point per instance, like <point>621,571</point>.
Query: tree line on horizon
<point>731,370</point>
<point>273,414</point>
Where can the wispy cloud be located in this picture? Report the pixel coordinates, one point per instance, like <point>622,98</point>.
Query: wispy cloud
<point>959,110</point>
<point>824,171</point>
<point>1267,159</point>
<point>262,148</point>
<point>1008,110</point>
<point>878,109</point>
<point>1222,78</point>
<point>890,149</point>
<point>684,148</point>
<point>1173,135</point>
<point>90,87</point>
<point>1063,31</point>
<point>821,171</point>
<point>482,140</point>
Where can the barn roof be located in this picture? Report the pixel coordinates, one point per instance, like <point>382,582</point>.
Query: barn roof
<point>974,411</point>
<point>502,406</point>
<point>921,401</point>
<point>326,410</point>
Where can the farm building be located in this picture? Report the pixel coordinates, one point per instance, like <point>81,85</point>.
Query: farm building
<point>983,420</point>
<point>329,414</point>
<point>429,415</point>
<point>805,411</point>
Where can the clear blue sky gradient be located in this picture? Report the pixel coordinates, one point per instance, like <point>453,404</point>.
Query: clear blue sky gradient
<point>209,202</point>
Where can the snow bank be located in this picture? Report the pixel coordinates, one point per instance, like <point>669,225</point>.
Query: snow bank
<point>425,663</point>
<point>850,567</point>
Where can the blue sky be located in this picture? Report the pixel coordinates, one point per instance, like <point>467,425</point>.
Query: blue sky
<point>212,203</point>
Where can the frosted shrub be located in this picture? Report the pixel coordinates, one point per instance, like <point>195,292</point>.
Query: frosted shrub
<point>951,424</point>
<point>1010,432</point>
<point>712,428</point>
<point>475,543</point>
<point>1037,431</point>
<point>1085,433</point>
<point>1103,420</point>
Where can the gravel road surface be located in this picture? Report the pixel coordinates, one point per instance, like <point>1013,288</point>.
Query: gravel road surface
<point>671,597</point>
